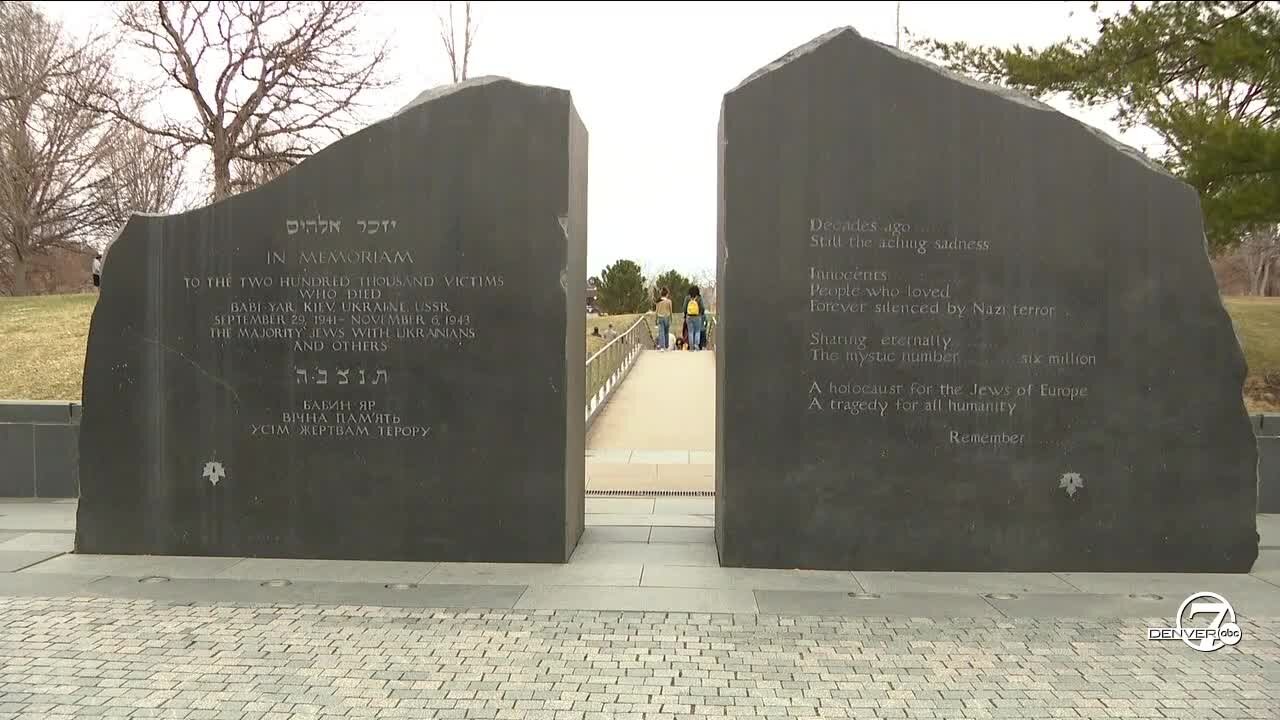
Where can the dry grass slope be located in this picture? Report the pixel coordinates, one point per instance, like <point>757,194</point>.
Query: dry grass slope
<point>619,323</point>
<point>42,344</point>
<point>1257,322</point>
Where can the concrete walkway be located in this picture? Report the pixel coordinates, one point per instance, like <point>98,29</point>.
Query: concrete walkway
<point>657,433</point>
<point>637,554</point>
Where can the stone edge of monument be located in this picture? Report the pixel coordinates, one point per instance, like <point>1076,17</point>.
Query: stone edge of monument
<point>440,91</point>
<point>1008,94</point>
<point>425,97</point>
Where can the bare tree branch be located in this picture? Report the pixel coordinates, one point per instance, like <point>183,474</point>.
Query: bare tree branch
<point>468,37</point>
<point>273,72</point>
<point>1260,250</point>
<point>52,146</point>
<point>458,62</point>
<point>145,177</point>
<point>446,37</point>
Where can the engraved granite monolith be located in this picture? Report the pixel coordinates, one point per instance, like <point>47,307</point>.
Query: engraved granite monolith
<point>376,356</point>
<point>962,331</point>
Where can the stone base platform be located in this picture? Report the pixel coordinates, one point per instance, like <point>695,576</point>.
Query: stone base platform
<point>637,554</point>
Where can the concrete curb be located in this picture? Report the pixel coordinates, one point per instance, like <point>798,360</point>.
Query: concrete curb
<point>39,449</point>
<point>1266,427</point>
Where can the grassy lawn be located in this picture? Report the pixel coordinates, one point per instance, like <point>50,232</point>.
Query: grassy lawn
<point>1257,322</point>
<point>619,323</point>
<point>42,344</point>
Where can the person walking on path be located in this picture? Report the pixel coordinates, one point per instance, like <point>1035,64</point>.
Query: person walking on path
<point>664,320</point>
<point>693,313</point>
<point>97,270</point>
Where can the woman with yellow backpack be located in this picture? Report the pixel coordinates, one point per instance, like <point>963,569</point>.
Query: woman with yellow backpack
<point>694,314</point>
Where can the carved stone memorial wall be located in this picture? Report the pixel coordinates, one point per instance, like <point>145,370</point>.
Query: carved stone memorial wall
<point>376,356</point>
<point>962,331</point>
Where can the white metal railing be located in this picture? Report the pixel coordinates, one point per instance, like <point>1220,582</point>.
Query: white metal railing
<point>608,367</point>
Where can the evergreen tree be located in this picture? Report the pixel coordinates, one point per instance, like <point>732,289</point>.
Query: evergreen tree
<point>676,283</point>
<point>621,289</point>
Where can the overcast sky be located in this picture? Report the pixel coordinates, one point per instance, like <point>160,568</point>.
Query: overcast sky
<point>647,79</point>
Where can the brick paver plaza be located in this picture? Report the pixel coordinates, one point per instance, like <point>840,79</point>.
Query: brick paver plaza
<point>139,658</point>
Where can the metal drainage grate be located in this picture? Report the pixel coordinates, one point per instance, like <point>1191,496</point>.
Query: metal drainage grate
<point>651,493</point>
<point>1146,596</point>
<point>276,583</point>
<point>400,586</point>
<point>1001,596</point>
<point>154,579</point>
<point>864,596</point>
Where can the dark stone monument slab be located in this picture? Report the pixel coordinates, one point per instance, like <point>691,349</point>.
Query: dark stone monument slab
<point>964,332</point>
<point>376,356</point>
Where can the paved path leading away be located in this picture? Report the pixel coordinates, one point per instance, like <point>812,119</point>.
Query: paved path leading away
<point>658,430</point>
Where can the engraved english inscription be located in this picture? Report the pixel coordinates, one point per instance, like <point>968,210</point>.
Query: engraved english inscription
<point>869,278</point>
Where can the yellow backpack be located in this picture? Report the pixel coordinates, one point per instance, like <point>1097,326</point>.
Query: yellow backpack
<point>693,308</point>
